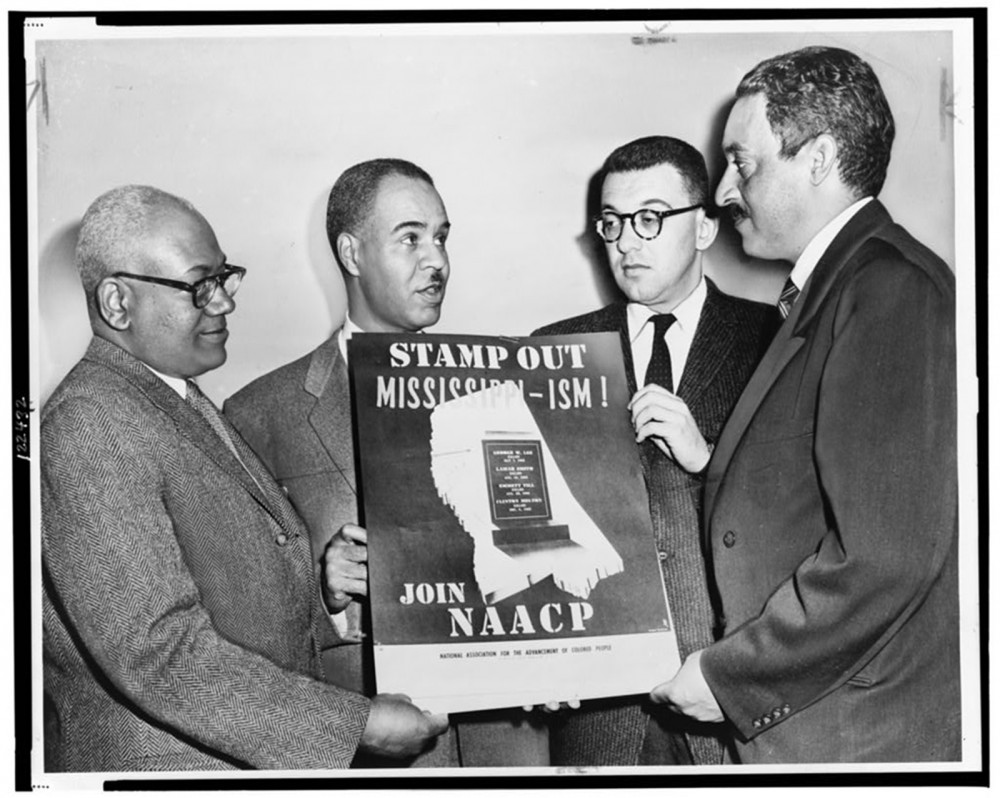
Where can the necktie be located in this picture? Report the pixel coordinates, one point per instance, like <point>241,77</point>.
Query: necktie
<point>787,298</point>
<point>211,414</point>
<point>659,370</point>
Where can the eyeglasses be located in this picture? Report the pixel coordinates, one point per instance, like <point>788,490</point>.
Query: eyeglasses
<point>202,291</point>
<point>647,223</point>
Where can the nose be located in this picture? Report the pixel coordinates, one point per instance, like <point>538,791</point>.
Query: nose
<point>434,257</point>
<point>221,303</point>
<point>629,240</point>
<point>727,193</point>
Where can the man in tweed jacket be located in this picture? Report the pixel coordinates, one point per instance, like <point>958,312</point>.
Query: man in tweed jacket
<point>181,612</point>
<point>656,224</point>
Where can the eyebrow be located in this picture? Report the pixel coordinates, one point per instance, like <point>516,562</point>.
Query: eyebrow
<point>403,225</point>
<point>208,266</point>
<point>608,207</point>
<point>418,225</point>
<point>734,148</point>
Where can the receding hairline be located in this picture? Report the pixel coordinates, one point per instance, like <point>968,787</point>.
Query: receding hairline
<point>119,226</point>
<point>377,194</point>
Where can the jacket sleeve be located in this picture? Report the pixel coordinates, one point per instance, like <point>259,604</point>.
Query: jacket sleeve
<point>884,452</point>
<point>124,590</point>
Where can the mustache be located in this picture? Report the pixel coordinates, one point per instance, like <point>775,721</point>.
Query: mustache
<point>737,213</point>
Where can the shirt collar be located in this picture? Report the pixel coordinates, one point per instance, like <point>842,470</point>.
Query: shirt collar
<point>179,385</point>
<point>814,250</point>
<point>687,312</point>
<point>346,332</point>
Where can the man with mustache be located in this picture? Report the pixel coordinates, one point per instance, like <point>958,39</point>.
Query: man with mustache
<point>688,349</point>
<point>388,229</point>
<point>181,611</point>
<point>831,498</point>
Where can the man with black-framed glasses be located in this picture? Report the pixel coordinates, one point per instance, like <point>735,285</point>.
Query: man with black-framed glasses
<point>689,349</point>
<point>181,614</point>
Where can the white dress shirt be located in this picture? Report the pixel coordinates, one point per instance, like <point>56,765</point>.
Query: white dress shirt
<point>346,332</point>
<point>678,337</point>
<point>179,385</point>
<point>814,250</point>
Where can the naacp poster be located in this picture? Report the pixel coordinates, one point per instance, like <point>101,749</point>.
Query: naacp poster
<point>511,558</point>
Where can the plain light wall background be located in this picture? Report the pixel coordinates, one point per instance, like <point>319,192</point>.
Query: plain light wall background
<point>512,127</point>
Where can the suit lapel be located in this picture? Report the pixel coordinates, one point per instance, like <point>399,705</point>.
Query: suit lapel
<point>618,318</point>
<point>330,416</point>
<point>714,338</point>
<point>782,350</point>
<point>193,426</point>
<point>791,337</point>
<point>862,226</point>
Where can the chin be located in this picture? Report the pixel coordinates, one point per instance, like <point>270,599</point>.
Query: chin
<point>426,320</point>
<point>635,292</point>
<point>212,363</point>
<point>753,247</point>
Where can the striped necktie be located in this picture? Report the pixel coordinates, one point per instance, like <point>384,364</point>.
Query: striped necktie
<point>787,298</point>
<point>659,370</point>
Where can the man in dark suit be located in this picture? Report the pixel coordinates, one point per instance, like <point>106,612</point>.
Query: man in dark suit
<point>387,227</point>
<point>689,350</point>
<point>181,612</point>
<point>831,497</point>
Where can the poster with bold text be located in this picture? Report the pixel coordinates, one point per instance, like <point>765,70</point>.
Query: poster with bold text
<point>510,552</point>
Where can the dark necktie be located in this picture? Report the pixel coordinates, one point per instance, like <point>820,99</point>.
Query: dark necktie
<point>787,298</point>
<point>659,370</point>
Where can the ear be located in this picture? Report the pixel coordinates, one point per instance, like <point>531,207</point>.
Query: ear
<point>822,158</point>
<point>347,252</point>
<point>112,299</point>
<point>708,229</point>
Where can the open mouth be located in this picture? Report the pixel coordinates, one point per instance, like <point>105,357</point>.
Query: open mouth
<point>434,291</point>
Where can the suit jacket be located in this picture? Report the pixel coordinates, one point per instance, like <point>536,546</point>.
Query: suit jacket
<point>182,618</point>
<point>297,419</point>
<point>832,514</point>
<point>731,336</point>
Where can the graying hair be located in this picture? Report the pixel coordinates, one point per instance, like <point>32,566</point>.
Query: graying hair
<point>113,229</point>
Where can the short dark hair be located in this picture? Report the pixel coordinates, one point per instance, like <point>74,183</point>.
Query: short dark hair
<point>650,151</point>
<point>819,90</point>
<point>353,195</point>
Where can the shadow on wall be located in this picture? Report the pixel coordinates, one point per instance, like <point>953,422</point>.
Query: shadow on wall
<point>63,324</point>
<point>324,264</point>
<point>592,247</point>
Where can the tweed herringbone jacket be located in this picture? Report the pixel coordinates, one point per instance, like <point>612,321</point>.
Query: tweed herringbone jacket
<point>182,617</point>
<point>731,337</point>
